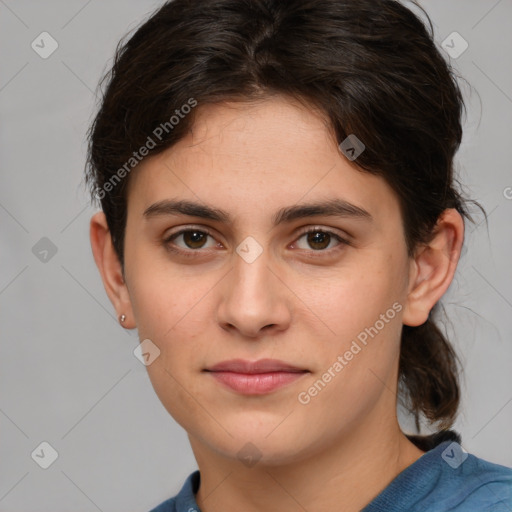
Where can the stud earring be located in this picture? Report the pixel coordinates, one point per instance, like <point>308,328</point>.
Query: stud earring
<point>122,318</point>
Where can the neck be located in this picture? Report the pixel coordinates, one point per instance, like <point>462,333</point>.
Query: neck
<point>345,476</point>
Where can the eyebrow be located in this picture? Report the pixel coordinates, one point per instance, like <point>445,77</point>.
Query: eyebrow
<point>329,208</point>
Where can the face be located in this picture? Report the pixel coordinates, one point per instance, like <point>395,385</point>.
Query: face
<point>250,274</point>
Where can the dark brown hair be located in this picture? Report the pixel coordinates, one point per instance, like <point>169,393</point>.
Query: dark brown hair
<point>370,66</point>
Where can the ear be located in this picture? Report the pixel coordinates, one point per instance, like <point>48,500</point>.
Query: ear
<point>110,268</point>
<point>433,267</point>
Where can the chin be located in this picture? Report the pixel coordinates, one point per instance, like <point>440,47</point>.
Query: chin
<point>261,443</point>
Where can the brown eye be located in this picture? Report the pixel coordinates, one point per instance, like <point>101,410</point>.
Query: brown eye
<point>320,240</point>
<point>194,239</point>
<point>189,240</point>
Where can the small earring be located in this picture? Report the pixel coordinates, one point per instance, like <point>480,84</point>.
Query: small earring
<point>122,318</point>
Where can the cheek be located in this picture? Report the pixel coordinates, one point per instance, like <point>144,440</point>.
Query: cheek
<point>354,298</point>
<point>173,317</point>
<point>360,311</point>
<point>174,326</point>
<point>358,362</point>
<point>162,296</point>
<point>174,310</point>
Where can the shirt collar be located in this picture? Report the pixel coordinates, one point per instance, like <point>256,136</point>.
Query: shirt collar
<point>186,500</point>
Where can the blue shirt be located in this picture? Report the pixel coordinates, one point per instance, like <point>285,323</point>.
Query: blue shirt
<point>444,479</point>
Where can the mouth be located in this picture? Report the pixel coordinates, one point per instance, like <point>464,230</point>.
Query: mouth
<point>255,377</point>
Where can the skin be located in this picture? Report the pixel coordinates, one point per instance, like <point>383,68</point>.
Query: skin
<point>293,303</point>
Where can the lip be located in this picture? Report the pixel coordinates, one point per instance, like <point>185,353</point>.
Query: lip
<point>255,377</point>
<point>252,367</point>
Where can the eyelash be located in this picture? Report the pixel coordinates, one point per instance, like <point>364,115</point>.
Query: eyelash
<point>194,253</point>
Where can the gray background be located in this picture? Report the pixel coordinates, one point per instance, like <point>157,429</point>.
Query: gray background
<point>68,375</point>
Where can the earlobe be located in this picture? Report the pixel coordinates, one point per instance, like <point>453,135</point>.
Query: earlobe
<point>433,268</point>
<point>110,269</point>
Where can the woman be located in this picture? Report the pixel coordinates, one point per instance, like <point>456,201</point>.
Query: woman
<point>279,222</point>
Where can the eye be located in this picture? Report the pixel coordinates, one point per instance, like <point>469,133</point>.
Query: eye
<point>188,242</point>
<point>191,238</point>
<point>320,240</point>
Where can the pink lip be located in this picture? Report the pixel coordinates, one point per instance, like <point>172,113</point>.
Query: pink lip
<point>255,378</point>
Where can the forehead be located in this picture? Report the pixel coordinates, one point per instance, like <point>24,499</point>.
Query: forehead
<point>253,158</point>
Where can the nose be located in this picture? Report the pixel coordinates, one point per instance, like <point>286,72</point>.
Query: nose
<point>255,300</point>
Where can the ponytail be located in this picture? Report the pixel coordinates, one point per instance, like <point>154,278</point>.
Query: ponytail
<point>428,369</point>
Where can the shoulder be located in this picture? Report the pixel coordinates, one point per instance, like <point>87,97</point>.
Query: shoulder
<point>475,482</point>
<point>447,478</point>
<point>168,505</point>
<point>461,481</point>
<point>184,501</point>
